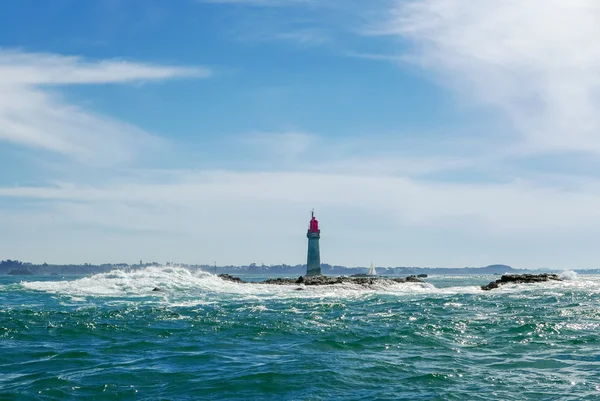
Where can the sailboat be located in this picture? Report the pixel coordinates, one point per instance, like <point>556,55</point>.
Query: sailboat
<point>370,273</point>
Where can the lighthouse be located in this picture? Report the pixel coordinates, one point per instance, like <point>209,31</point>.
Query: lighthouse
<point>313,263</point>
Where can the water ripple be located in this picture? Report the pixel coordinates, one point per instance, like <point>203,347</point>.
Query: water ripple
<point>108,336</point>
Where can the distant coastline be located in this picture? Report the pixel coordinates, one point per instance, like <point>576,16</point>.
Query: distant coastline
<point>15,267</point>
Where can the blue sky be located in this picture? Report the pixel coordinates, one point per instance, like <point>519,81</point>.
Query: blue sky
<point>423,132</point>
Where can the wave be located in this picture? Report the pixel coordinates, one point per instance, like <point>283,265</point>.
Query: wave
<point>127,283</point>
<point>178,282</point>
<point>569,275</point>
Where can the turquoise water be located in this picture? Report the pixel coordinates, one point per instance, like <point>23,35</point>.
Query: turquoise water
<point>109,337</point>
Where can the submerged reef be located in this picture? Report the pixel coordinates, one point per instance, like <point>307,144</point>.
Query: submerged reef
<point>520,279</point>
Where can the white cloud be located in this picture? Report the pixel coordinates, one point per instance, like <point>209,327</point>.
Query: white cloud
<point>302,22</point>
<point>304,152</point>
<point>239,209</point>
<point>43,120</point>
<point>32,114</point>
<point>18,68</point>
<point>306,36</point>
<point>517,208</point>
<point>500,53</point>
<point>394,165</point>
<point>537,61</point>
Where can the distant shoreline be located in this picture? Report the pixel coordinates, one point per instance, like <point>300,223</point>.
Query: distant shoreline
<point>13,267</point>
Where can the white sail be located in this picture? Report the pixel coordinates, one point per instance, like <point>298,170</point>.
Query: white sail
<point>372,270</point>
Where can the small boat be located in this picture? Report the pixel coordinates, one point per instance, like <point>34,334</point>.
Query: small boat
<point>370,273</point>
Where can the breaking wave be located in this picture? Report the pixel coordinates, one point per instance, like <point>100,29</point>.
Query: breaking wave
<point>569,275</point>
<point>137,282</point>
<point>177,282</point>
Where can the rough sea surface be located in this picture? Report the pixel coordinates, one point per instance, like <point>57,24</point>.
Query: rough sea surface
<point>110,337</point>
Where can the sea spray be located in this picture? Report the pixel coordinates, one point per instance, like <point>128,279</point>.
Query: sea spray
<point>177,283</point>
<point>569,275</point>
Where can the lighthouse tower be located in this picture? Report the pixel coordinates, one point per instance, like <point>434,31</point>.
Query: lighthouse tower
<point>313,264</point>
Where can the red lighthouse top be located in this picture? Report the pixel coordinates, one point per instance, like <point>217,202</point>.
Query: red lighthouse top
<point>314,224</point>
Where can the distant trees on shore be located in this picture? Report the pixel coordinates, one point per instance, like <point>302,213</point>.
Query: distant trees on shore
<point>19,267</point>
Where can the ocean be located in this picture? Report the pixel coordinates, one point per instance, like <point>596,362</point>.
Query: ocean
<point>109,336</point>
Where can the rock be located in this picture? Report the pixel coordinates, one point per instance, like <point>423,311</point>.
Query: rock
<point>413,279</point>
<point>520,279</point>
<point>422,275</point>
<point>326,280</point>
<point>157,289</point>
<point>280,281</point>
<point>229,277</point>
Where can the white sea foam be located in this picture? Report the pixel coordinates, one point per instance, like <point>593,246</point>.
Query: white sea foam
<point>569,275</point>
<point>176,282</point>
<point>185,287</point>
<point>141,282</point>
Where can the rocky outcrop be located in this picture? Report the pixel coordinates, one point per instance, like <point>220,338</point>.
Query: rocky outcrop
<point>328,280</point>
<point>229,277</point>
<point>520,279</point>
<point>412,279</point>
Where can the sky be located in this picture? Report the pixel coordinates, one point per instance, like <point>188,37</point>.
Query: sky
<point>443,133</point>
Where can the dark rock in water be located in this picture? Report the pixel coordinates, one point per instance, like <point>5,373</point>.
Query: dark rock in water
<point>422,275</point>
<point>364,281</point>
<point>229,277</point>
<point>520,279</point>
<point>327,280</point>
<point>280,281</point>
<point>157,289</point>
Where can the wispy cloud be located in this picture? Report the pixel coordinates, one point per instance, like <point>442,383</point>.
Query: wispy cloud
<point>378,57</point>
<point>373,156</point>
<point>18,68</point>
<point>302,22</point>
<point>191,202</point>
<point>306,36</point>
<point>35,115</point>
<point>34,118</point>
<point>536,61</point>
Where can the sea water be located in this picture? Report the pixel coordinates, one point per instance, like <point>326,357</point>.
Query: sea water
<point>109,336</point>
